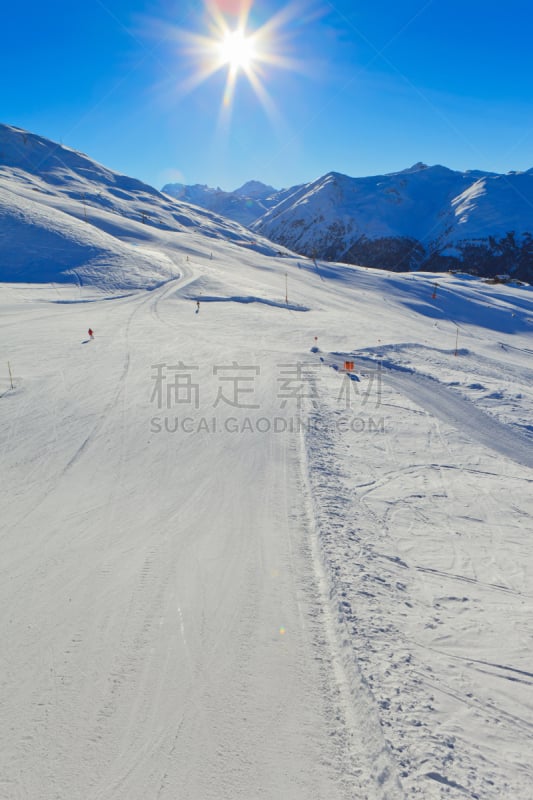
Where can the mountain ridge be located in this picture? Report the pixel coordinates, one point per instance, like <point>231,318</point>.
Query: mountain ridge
<point>244,205</point>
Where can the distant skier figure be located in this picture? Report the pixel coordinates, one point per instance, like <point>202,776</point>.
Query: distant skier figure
<point>197,306</point>
<point>91,333</point>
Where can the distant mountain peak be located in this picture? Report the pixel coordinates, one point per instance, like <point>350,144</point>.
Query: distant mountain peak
<point>418,167</point>
<point>255,189</point>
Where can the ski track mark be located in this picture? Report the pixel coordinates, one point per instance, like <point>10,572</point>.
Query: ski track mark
<point>378,776</point>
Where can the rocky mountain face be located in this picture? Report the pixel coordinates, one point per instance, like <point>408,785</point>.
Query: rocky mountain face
<point>422,218</point>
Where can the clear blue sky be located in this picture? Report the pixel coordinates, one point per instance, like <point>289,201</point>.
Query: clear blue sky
<point>361,87</point>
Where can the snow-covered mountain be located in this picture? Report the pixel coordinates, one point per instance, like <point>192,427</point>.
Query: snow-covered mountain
<point>246,204</point>
<point>430,218</point>
<point>46,189</point>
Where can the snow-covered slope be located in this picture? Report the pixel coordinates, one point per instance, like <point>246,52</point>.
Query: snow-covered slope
<point>46,189</point>
<point>228,568</point>
<point>489,227</point>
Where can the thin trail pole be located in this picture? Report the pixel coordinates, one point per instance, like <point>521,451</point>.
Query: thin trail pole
<point>10,375</point>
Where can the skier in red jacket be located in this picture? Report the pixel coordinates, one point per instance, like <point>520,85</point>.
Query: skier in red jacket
<point>91,333</point>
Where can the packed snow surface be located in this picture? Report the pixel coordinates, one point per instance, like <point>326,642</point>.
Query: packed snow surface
<point>231,569</point>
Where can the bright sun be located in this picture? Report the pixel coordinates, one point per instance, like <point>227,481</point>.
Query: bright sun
<point>237,50</point>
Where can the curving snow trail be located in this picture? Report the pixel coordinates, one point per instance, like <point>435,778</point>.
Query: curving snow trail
<point>451,407</point>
